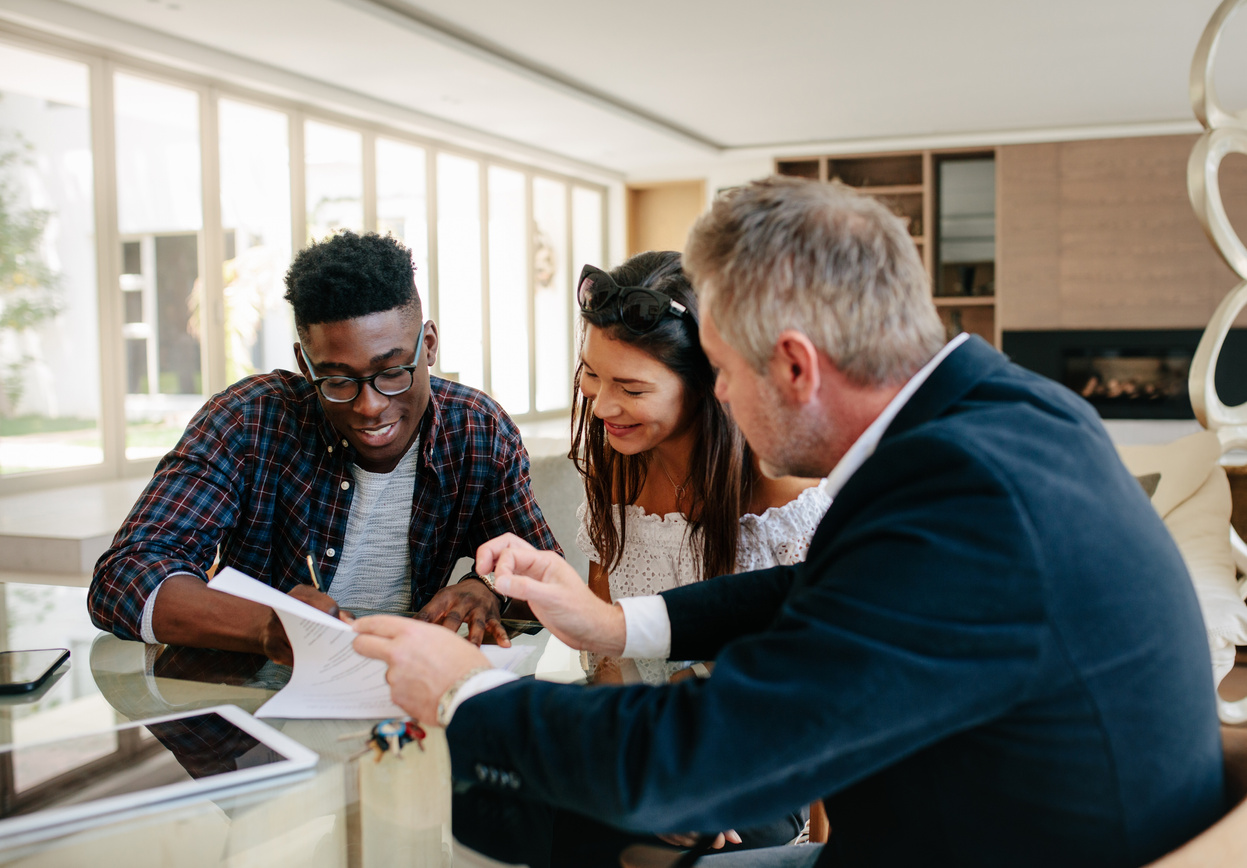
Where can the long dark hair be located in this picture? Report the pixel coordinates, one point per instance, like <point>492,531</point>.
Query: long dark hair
<point>720,467</point>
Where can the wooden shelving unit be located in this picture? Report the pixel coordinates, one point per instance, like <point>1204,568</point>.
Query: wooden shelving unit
<point>907,182</point>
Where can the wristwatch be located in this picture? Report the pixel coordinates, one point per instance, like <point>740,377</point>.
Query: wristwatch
<point>488,581</point>
<point>446,704</point>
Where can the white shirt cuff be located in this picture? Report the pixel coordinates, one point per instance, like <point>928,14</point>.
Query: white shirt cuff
<point>478,683</point>
<point>647,627</point>
<point>149,607</point>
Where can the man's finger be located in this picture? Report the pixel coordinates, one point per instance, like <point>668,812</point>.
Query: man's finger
<point>524,588</point>
<point>476,632</point>
<point>498,632</point>
<point>388,626</point>
<point>487,553</point>
<point>377,647</point>
<point>434,609</point>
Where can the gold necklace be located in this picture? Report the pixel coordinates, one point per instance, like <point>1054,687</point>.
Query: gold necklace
<point>679,489</point>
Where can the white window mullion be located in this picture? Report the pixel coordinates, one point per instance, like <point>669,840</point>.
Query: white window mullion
<point>529,235</point>
<point>434,290</point>
<point>298,185</point>
<point>486,348</point>
<point>212,250</point>
<point>573,273</point>
<point>369,166</point>
<point>108,258</point>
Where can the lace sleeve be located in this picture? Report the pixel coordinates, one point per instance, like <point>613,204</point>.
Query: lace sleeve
<point>582,534</point>
<point>781,535</point>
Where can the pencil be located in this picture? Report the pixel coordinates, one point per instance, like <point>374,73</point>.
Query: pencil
<point>313,572</point>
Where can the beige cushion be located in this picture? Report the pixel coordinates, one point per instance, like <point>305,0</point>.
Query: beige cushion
<point>557,487</point>
<point>1193,498</point>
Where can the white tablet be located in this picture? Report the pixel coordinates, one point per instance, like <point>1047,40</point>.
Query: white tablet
<point>65,783</point>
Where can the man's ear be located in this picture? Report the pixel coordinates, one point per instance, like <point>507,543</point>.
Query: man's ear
<point>430,343</point>
<point>794,367</point>
<point>298,358</point>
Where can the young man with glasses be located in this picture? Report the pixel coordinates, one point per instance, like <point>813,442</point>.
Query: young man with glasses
<point>384,475</point>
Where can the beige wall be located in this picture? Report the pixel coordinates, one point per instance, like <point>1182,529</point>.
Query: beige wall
<point>660,215</point>
<point>1100,234</point>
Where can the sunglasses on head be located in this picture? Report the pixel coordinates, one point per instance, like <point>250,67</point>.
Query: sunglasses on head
<point>638,308</point>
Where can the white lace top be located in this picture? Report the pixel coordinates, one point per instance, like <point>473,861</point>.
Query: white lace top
<point>657,555</point>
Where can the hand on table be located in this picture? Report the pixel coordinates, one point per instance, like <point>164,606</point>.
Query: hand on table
<point>690,840</point>
<point>273,641</point>
<point>468,600</point>
<point>555,592</point>
<point>424,660</point>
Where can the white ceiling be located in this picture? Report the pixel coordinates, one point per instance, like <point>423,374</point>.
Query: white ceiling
<point>633,87</point>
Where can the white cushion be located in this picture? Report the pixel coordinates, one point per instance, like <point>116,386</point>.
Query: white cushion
<point>1193,499</point>
<point>1183,466</point>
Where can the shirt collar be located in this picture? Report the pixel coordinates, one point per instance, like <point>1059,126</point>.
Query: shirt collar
<point>431,424</point>
<point>865,445</point>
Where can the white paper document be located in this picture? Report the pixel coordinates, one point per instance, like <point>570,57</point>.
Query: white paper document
<point>511,659</point>
<point>330,680</point>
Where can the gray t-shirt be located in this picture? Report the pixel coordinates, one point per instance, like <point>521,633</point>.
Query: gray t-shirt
<point>375,570</point>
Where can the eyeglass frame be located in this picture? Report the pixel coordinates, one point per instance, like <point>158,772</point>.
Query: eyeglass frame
<point>360,382</point>
<point>616,293</point>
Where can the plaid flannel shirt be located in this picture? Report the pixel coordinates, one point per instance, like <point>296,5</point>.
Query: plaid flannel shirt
<point>261,473</point>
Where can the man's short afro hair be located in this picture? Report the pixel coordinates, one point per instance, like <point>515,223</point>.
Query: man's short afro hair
<point>346,276</point>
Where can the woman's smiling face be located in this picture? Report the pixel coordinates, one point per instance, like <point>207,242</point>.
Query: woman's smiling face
<point>639,399</point>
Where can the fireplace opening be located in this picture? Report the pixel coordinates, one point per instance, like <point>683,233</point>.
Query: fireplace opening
<point>1130,374</point>
<point>1125,380</point>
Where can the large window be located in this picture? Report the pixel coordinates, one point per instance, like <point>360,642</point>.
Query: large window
<point>255,216</point>
<point>335,179</point>
<point>49,319</point>
<point>508,289</point>
<point>403,205</point>
<point>113,335</point>
<point>160,221</point>
<point>459,268</point>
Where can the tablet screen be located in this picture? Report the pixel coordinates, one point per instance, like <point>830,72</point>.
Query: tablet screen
<point>88,768</point>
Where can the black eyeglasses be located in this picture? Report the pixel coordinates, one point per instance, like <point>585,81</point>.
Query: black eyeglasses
<point>389,382</point>
<point>638,308</point>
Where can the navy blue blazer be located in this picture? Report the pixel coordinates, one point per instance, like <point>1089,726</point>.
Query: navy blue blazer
<point>992,655</point>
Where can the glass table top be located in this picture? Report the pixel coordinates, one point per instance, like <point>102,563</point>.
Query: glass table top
<point>351,812</point>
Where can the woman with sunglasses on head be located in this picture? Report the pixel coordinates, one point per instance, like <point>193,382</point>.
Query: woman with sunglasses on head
<point>673,493</point>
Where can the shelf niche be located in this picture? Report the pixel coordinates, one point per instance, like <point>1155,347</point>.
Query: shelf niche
<point>947,200</point>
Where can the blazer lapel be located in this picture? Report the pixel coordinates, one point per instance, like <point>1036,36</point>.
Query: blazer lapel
<point>965,367</point>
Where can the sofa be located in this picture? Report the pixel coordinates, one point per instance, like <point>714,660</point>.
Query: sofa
<point>1190,491</point>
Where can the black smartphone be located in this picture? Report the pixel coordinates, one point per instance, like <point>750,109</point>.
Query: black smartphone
<point>23,671</point>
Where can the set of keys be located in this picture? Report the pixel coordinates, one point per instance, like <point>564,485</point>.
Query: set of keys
<point>388,735</point>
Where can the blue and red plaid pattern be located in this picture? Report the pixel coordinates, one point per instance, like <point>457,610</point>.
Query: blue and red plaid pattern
<point>261,473</point>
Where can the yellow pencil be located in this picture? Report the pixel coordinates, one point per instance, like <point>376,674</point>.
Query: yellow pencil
<point>314,573</point>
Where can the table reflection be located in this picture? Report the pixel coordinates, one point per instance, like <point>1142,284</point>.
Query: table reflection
<point>351,813</point>
<point>142,681</point>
